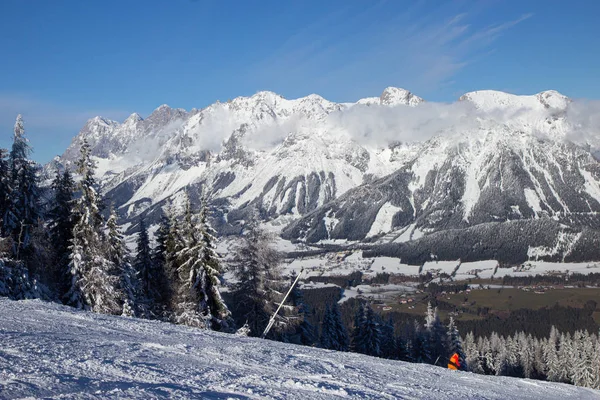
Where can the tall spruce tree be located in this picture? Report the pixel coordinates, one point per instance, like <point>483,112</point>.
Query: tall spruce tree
<point>256,268</point>
<point>94,285</point>
<point>371,333</point>
<point>128,283</point>
<point>341,339</point>
<point>334,335</point>
<point>388,339</point>
<point>199,271</point>
<point>61,228</point>
<point>5,192</point>
<point>165,277</point>
<point>421,345</point>
<point>437,336</point>
<point>25,194</point>
<point>144,270</point>
<point>326,341</point>
<point>356,335</point>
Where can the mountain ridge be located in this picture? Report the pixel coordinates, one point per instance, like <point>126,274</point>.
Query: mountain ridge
<point>303,163</point>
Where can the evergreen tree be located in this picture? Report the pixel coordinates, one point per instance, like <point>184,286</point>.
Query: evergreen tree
<point>472,354</point>
<point>565,361</point>
<point>25,193</point>
<point>5,192</point>
<point>199,300</point>
<point>357,334</point>
<point>371,333</point>
<point>421,345</point>
<point>326,341</point>
<point>402,350</point>
<point>129,288</point>
<point>94,286</point>
<point>388,339</point>
<point>340,339</point>
<point>436,335</point>
<point>551,356</point>
<point>221,319</point>
<point>254,294</point>
<point>61,228</point>
<point>595,383</point>
<point>144,270</point>
<point>455,344</point>
<point>163,276</point>
<point>404,342</point>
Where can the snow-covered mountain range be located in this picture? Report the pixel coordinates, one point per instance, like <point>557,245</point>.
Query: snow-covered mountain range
<point>387,169</point>
<point>53,351</point>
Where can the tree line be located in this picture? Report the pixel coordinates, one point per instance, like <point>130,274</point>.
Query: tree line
<point>58,245</point>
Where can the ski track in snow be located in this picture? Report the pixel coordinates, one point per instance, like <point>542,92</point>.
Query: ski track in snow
<point>51,351</point>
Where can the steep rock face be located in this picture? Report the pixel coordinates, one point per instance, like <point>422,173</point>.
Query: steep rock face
<point>490,175</point>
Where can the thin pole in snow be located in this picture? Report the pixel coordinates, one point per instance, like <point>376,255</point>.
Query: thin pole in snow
<point>272,320</point>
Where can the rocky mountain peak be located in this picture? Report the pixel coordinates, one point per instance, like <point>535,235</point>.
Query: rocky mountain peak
<point>133,119</point>
<point>487,100</point>
<point>392,96</point>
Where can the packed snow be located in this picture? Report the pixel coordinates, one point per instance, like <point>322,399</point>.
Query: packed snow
<point>51,351</point>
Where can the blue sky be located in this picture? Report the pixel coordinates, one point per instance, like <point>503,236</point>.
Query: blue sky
<point>65,61</point>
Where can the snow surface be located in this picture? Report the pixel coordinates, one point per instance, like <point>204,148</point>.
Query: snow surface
<point>51,351</point>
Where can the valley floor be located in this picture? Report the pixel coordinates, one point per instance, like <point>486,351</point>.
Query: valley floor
<point>51,351</point>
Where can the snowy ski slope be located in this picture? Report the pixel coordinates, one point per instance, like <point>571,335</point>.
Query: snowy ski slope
<point>51,351</point>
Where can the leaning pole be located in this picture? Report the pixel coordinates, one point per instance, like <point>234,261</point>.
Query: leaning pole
<point>272,320</point>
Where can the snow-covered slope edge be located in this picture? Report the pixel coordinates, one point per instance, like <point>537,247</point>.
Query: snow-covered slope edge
<point>48,350</point>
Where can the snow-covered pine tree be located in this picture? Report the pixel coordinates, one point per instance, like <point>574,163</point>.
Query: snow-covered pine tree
<point>5,192</point>
<point>539,366</point>
<point>221,319</point>
<point>565,358</point>
<point>595,384</point>
<point>25,193</point>
<point>455,344</point>
<point>421,345</point>
<point>326,341</point>
<point>526,354</point>
<point>166,277</point>
<point>190,301</point>
<point>501,354</point>
<point>149,274</point>
<point>256,268</point>
<point>93,285</point>
<point>129,288</point>
<point>199,300</point>
<point>61,228</point>
<point>584,373</point>
<point>551,356</point>
<point>436,334</point>
<point>340,333</point>
<point>472,355</point>
<point>143,260</point>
